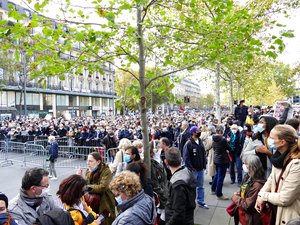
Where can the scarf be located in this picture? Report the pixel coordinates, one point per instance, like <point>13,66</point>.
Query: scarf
<point>277,159</point>
<point>32,202</point>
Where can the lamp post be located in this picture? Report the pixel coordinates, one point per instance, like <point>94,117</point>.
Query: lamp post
<point>24,83</point>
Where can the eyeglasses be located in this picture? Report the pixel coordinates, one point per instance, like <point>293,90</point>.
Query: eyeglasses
<point>43,186</point>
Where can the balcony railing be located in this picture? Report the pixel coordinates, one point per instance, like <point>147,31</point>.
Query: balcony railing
<point>56,87</point>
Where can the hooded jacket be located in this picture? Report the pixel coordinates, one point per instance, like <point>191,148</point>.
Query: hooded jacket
<point>139,210</point>
<point>181,199</point>
<point>194,156</point>
<point>220,145</point>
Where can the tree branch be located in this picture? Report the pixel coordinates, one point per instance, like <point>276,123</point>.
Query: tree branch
<point>211,13</point>
<point>172,72</point>
<point>125,70</point>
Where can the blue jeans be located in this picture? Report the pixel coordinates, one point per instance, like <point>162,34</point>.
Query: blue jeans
<point>199,175</point>
<point>218,180</point>
<point>236,161</point>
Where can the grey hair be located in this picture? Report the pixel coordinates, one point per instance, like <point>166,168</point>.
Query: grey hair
<point>184,122</point>
<point>219,129</point>
<point>256,170</point>
<point>173,157</point>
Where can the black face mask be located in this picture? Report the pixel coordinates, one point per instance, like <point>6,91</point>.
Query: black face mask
<point>277,159</point>
<point>198,135</point>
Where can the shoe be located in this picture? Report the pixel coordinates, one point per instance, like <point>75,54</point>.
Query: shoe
<point>223,197</point>
<point>50,176</point>
<point>203,206</point>
<point>53,178</point>
<point>213,192</point>
<point>232,182</point>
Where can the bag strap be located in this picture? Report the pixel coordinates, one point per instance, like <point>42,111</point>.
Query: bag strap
<point>282,171</point>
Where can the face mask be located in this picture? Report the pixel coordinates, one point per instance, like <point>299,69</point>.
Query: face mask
<point>45,191</point>
<point>234,131</point>
<point>111,136</point>
<point>249,114</point>
<point>165,129</point>
<point>245,128</point>
<point>102,130</point>
<point>198,134</point>
<point>271,144</point>
<point>260,128</point>
<point>93,169</point>
<point>119,200</point>
<point>245,168</point>
<point>126,158</point>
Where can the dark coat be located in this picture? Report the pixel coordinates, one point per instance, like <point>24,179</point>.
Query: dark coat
<point>181,198</point>
<point>183,138</point>
<point>241,113</point>
<point>246,204</point>
<point>125,134</point>
<point>220,145</point>
<point>98,181</point>
<point>194,155</point>
<point>109,142</point>
<point>53,151</point>
<point>237,146</point>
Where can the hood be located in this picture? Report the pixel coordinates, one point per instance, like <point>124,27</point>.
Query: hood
<point>141,205</point>
<point>217,138</point>
<point>184,175</point>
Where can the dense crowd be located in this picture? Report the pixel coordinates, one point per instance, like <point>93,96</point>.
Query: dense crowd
<point>261,154</point>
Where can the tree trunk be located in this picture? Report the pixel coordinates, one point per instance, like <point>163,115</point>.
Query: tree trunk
<point>218,97</point>
<point>239,92</point>
<point>143,106</point>
<point>231,94</point>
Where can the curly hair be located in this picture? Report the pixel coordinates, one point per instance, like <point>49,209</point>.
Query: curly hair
<point>124,143</point>
<point>127,183</point>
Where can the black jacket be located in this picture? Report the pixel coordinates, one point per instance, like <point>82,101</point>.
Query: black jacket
<point>241,113</point>
<point>194,155</point>
<point>220,145</point>
<point>181,198</point>
<point>183,138</point>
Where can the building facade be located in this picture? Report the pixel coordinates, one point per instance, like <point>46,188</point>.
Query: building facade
<point>80,95</point>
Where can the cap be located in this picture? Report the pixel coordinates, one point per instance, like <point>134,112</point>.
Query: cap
<point>194,129</point>
<point>4,198</point>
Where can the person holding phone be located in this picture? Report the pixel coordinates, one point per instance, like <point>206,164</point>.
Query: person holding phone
<point>70,193</point>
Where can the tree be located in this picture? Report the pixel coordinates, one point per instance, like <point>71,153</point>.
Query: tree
<point>176,35</point>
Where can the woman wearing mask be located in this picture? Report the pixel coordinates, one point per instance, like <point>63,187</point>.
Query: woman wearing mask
<point>259,144</point>
<point>282,188</point>
<point>124,143</point>
<point>252,183</point>
<point>135,207</point>
<point>98,177</point>
<point>70,193</point>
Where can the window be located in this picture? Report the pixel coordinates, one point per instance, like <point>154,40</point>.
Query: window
<point>47,100</point>
<point>61,100</point>
<point>3,98</point>
<point>96,101</point>
<point>84,101</point>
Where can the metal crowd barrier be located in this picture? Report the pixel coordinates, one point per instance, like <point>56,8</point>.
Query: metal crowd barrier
<point>4,161</point>
<point>32,154</point>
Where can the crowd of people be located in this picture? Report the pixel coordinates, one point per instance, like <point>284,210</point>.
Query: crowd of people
<point>261,154</point>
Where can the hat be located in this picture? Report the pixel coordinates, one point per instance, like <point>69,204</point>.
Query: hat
<point>4,198</point>
<point>194,129</point>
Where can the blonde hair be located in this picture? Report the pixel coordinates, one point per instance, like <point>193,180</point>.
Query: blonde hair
<point>289,134</point>
<point>137,143</point>
<point>126,182</point>
<point>124,143</point>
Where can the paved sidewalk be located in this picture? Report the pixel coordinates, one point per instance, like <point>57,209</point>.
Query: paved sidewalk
<point>10,183</point>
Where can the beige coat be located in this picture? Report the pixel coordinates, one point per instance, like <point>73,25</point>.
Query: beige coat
<point>207,141</point>
<point>287,197</point>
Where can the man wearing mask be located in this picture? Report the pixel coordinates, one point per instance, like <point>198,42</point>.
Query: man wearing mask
<point>33,199</point>
<point>184,136</point>
<point>194,158</point>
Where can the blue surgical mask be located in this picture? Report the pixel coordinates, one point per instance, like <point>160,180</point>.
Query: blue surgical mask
<point>165,129</point>
<point>260,128</point>
<point>126,158</point>
<point>271,144</point>
<point>234,131</point>
<point>119,200</point>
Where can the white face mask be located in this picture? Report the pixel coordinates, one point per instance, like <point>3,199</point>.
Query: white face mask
<point>45,192</point>
<point>245,168</point>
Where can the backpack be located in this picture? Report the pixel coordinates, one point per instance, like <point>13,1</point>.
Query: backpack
<point>159,179</point>
<point>56,216</point>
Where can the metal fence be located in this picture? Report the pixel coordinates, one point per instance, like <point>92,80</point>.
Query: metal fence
<point>33,154</point>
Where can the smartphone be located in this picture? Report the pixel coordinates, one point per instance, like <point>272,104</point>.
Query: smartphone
<point>101,218</point>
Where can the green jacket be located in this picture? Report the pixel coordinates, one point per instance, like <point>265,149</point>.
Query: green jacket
<point>99,181</point>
